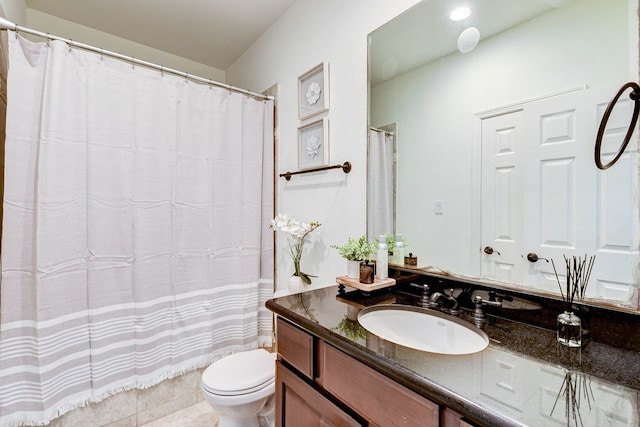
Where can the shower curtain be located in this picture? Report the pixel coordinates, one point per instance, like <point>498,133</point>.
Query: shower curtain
<point>380,207</point>
<point>136,243</point>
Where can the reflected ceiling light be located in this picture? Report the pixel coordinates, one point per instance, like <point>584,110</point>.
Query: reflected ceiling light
<point>460,13</point>
<point>468,39</point>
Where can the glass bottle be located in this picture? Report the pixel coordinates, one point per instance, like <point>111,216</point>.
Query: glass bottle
<point>569,329</point>
<point>398,250</point>
<point>382,258</point>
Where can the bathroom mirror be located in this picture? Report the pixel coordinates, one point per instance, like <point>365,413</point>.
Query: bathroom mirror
<point>494,147</point>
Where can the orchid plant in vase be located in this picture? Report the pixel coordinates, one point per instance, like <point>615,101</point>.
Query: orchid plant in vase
<point>299,231</point>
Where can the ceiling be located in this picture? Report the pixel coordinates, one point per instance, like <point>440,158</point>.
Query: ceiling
<point>427,22</point>
<point>211,32</point>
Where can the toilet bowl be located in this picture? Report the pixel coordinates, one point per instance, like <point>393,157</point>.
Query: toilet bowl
<point>241,389</point>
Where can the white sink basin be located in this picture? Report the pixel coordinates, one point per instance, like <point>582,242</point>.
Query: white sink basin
<point>423,329</point>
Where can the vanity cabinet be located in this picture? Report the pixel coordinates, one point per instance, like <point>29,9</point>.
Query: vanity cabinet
<point>299,400</point>
<point>317,385</point>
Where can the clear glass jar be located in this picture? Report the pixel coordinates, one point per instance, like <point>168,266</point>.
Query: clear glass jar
<point>569,329</point>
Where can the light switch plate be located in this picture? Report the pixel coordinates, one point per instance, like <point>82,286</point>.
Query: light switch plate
<point>438,207</point>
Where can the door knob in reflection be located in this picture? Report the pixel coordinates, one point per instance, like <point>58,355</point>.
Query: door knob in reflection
<point>533,257</point>
<point>489,250</point>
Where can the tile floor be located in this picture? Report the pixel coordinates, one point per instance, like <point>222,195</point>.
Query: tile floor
<point>198,415</point>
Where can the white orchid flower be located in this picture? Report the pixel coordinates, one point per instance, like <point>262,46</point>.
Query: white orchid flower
<point>299,231</point>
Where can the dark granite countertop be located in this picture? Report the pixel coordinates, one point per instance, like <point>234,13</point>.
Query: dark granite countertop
<point>523,378</point>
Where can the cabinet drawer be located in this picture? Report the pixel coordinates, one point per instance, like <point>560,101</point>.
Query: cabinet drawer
<point>295,346</point>
<point>371,394</point>
<point>299,404</point>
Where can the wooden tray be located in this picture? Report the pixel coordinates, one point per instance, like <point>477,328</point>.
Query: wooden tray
<point>355,283</point>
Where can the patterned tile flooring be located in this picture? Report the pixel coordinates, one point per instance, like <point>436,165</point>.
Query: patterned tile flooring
<point>198,415</point>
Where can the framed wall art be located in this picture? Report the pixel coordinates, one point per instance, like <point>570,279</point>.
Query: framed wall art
<point>313,91</point>
<point>313,144</point>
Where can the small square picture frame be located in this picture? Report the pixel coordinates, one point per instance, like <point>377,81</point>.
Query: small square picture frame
<point>313,144</point>
<point>313,91</point>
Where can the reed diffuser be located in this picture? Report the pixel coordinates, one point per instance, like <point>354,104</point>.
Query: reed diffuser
<point>576,388</point>
<point>578,272</point>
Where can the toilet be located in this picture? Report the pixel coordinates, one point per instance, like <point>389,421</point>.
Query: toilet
<point>241,389</point>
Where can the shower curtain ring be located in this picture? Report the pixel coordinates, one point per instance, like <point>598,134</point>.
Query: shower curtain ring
<point>70,44</point>
<point>186,77</point>
<point>48,39</point>
<point>162,70</point>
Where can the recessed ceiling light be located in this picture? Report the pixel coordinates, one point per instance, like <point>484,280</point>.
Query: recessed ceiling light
<point>460,13</point>
<point>468,40</point>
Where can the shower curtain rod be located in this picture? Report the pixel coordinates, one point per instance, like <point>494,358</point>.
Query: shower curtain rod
<point>381,130</point>
<point>5,24</point>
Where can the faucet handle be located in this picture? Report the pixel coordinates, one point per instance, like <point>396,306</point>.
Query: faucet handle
<point>424,287</point>
<point>494,296</point>
<point>479,302</point>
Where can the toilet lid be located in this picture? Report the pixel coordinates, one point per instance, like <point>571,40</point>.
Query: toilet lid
<point>240,373</point>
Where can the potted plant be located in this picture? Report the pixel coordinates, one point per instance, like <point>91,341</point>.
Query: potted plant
<point>356,251</point>
<point>391,242</point>
<point>299,232</point>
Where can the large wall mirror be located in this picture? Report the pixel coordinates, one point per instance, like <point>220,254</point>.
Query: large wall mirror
<point>482,141</point>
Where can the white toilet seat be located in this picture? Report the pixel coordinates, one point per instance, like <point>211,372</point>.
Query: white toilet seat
<point>237,392</point>
<point>240,373</point>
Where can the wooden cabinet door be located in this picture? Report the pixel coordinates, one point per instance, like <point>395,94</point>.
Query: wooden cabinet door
<point>380,400</point>
<point>299,404</point>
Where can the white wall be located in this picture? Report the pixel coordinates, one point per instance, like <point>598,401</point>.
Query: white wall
<point>15,11</point>
<point>310,32</point>
<point>67,29</point>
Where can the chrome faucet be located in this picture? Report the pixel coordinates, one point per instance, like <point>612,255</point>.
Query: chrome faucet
<point>478,313</point>
<point>435,302</point>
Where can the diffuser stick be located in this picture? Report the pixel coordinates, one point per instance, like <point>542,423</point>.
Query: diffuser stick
<point>557,279</point>
<point>578,272</point>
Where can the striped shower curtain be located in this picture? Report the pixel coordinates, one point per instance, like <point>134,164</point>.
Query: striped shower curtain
<point>136,243</point>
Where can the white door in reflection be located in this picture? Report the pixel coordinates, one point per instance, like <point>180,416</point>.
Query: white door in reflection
<point>544,149</point>
<point>502,141</point>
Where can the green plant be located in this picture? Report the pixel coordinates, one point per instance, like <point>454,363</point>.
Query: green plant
<point>351,329</point>
<point>391,242</point>
<point>356,249</point>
